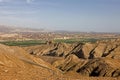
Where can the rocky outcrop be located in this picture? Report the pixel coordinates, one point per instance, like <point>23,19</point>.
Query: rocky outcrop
<point>52,49</point>
<point>67,64</point>
<point>101,67</point>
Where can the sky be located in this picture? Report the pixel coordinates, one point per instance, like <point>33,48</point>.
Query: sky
<point>70,15</point>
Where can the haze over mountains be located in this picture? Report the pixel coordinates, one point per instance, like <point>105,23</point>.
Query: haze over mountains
<point>4,28</point>
<point>11,29</point>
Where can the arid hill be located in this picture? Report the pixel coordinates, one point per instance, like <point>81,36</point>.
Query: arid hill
<point>61,61</point>
<point>50,49</point>
<point>100,59</point>
<point>106,48</point>
<point>16,64</point>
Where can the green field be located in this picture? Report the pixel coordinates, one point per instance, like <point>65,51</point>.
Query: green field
<point>23,43</point>
<point>84,40</point>
<point>39,42</point>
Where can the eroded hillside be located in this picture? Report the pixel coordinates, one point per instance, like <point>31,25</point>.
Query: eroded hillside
<point>61,61</point>
<point>16,64</point>
<point>100,59</point>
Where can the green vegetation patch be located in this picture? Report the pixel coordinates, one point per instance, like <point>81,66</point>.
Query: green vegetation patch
<point>66,40</point>
<point>39,42</point>
<point>23,43</point>
<point>81,40</point>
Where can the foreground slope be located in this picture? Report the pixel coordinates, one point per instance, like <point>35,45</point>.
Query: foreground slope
<point>16,64</point>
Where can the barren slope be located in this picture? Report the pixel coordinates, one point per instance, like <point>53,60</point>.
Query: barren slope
<point>90,61</point>
<point>16,64</point>
<point>100,59</point>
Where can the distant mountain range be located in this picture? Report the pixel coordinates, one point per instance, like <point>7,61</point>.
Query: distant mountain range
<point>8,29</point>
<point>13,29</point>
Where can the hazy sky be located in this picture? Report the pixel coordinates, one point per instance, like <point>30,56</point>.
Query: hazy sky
<point>73,15</point>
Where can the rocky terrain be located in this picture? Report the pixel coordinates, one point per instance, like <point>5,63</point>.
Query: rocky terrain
<point>16,64</point>
<point>61,61</point>
<point>106,48</point>
<point>100,59</point>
